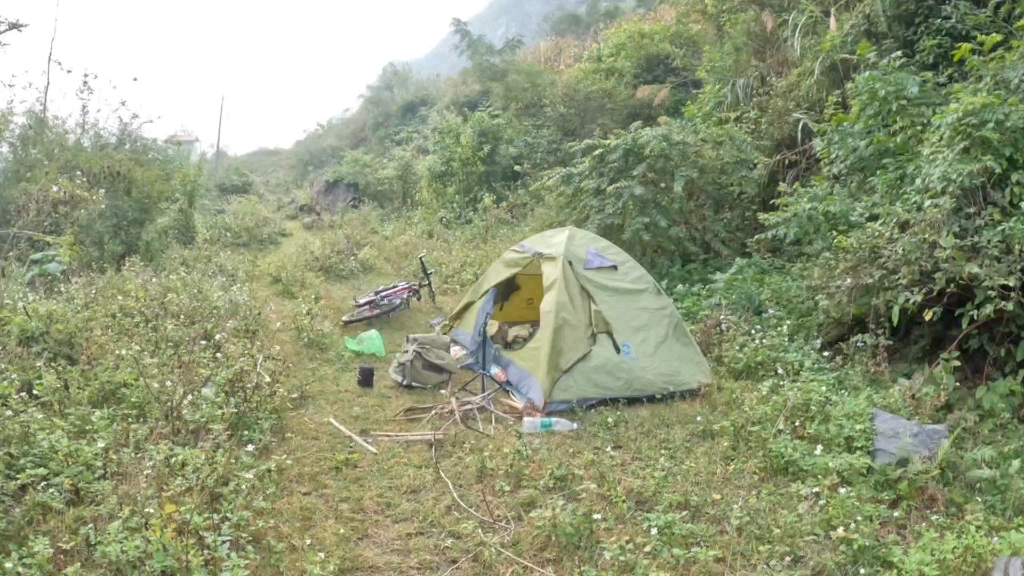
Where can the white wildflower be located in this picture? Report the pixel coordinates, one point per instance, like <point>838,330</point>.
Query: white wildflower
<point>250,448</point>
<point>861,570</point>
<point>320,555</point>
<point>596,516</point>
<point>995,538</point>
<point>842,489</point>
<point>698,418</point>
<point>895,514</point>
<point>787,558</point>
<point>654,531</point>
<point>818,449</point>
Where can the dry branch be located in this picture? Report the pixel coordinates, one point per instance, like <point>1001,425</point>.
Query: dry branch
<point>359,440</point>
<point>509,527</point>
<point>454,408</point>
<point>521,561</point>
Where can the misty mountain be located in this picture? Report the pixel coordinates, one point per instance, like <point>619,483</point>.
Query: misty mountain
<point>499,21</point>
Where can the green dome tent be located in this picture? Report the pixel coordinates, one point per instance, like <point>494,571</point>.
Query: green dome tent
<point>601,327</point>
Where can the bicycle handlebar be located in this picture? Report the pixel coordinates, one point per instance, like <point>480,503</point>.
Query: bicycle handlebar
<point>426,277</point>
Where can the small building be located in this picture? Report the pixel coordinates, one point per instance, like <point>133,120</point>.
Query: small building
<point>188,144</point>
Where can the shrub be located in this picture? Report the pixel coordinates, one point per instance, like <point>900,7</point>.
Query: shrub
<point>670,195</point>
<point>236,183</point>
<point>245,222</point>
<point>133,405</point>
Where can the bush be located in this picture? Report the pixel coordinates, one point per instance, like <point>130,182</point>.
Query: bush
<point>246,222</point>
<point>334,255</point>
<point>670,195</point>
<point>133,406</point>
<point>236,183</point>
<point>111,191</point>
<point>915,225</point>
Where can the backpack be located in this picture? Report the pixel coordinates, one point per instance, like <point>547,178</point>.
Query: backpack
<point>424,362</point>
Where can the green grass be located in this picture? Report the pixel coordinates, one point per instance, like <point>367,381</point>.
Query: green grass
<point>640,489</point>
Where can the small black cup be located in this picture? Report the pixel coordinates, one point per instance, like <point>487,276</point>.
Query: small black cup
<point>365,377</point>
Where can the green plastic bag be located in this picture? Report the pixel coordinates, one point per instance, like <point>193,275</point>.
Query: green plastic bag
<point>369,342</point>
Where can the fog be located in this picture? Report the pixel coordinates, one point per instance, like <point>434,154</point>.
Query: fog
<point>281,67</point>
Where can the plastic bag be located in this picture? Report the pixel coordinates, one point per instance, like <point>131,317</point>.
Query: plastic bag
<point>369,342</point>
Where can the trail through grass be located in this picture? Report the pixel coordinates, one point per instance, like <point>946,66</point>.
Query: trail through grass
<point>664,488</point>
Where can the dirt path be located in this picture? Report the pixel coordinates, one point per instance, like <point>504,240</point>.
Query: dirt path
<point>343,509</point>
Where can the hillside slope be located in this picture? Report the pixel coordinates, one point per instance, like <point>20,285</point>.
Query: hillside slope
<point>500,20</point>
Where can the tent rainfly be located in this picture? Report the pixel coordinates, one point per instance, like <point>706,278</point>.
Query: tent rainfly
<point>602,327</point>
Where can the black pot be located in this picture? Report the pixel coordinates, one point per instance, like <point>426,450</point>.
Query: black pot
<point>364,379</point>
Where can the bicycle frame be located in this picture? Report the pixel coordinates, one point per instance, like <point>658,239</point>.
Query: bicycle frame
<point>401,290</point>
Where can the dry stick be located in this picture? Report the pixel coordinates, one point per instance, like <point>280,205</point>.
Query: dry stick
<point>521,561</point>
<point>433,454</point>
<point>457,564</point>
<point>49,62</point>
<point>407,433</point>
<point>353,436</point>
<point>27,233</point>
<point>455,410</point>
<point>479,422</point>
<point>256,376</point>
<point>420,437</point>
<point>957,342</point>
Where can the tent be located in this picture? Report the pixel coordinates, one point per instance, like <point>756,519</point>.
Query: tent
<point>602,327</point>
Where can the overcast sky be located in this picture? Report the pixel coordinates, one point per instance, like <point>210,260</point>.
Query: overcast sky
<point>282,66</point>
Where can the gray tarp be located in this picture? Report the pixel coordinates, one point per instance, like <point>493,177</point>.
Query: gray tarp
<point>897,438</point>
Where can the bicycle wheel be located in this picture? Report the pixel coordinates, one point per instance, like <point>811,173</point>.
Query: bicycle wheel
<point>372,311</point>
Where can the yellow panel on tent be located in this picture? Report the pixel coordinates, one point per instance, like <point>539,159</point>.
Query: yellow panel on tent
<point>523,305</point>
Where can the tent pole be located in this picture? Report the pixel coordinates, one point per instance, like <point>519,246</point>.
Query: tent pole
<point>483,354</point>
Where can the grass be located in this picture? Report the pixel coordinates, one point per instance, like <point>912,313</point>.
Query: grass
<point>768,471</point>
<point>641,489</point>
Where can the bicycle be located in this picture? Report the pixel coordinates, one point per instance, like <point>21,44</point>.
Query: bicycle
<point>387,300</point>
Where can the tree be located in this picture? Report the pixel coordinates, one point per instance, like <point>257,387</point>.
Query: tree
<point>7,26</point>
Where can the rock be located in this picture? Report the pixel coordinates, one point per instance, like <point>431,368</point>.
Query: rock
<point>898,439</point>
<point>333,195</point>
<point>1008,566</point>
<point>310,222</point>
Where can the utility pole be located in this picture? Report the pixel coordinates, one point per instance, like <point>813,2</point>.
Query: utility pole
<point>216,155</point>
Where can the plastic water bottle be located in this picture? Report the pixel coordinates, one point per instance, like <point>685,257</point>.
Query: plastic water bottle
<point>547,424</point>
